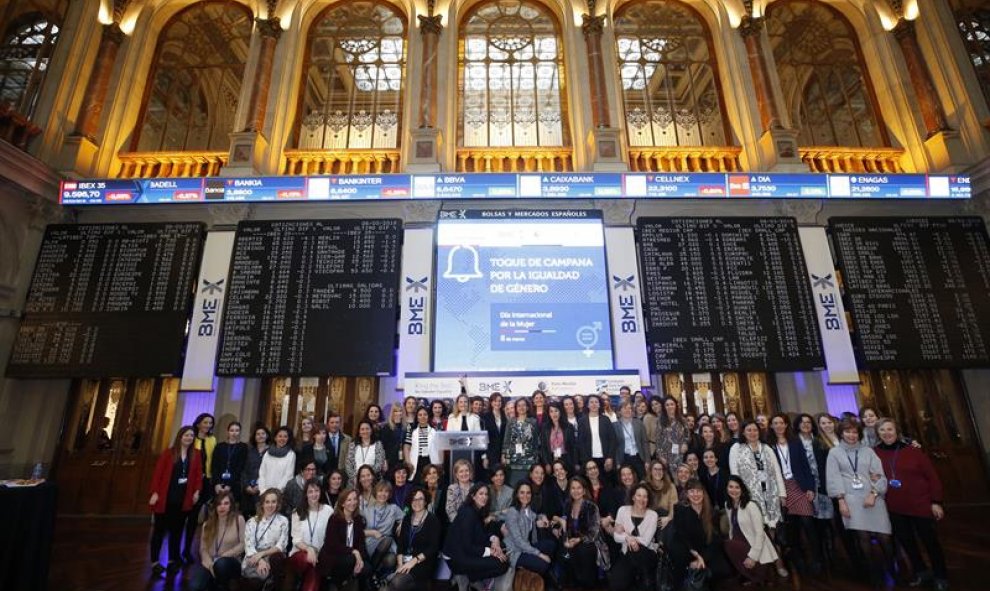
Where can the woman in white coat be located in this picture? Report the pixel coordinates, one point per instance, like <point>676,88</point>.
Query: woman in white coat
<point>461,418</point>
<point>421,446</point>
<point>749,547</point>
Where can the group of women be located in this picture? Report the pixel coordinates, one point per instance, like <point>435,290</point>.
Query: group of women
<point>569,490</point>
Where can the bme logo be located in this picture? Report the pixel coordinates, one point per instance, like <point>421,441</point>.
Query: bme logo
<point>416,304</point>
<point>827,300</point>
<point>629,320</point>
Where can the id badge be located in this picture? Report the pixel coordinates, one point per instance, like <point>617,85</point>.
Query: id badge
<point>519,449</point>
<point>557,453</point>
<point>183,480</point>
<point>225,476</point>
<point>895,483</point>
<point>675,449</point>
<point>857,484</point>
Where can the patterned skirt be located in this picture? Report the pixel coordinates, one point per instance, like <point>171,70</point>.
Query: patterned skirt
<point>797,500</point>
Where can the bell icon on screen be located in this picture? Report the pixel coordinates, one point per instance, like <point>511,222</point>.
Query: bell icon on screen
<point>462,264</point>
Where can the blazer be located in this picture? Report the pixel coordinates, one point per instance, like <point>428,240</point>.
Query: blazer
<point>454,423</point>
<point>751,527</point>
<point>496,433</point>
<point>650,422</point>
<point>639,433</point>
<point>412,458</point>
<point>799,463</point>
<point>520,533</point>
<point>647,529</point>
<point>605,432</point>
<point>162,476</point>
<point>335,545</point>
<point>339,461</point>
<point>425,541</point>
<point>570,444</point>
<point>467,538</point>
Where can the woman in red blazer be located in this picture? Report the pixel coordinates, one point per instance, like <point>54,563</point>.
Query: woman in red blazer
<point>175,488</point>
<point>343,556</point>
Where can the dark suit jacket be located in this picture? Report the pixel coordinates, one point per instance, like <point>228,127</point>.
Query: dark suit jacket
<point>570,456</point>
<point>799,464</point>
<point>605,432</point>
<point>639,433</point>
<point>335,544</point>
<point>495,436</point>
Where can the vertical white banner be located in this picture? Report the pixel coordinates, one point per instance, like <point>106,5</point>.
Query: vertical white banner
<point>628,329</point>
<point>416,299</point>
<point>836,340</point>
<point>204,328</point>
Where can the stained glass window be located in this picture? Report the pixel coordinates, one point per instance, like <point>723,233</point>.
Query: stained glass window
<point>670,87</point>
<point>511,74</point>
<point>974,26</point>
<point>196,79</point>
<point>353,86</point>
<point>823,76</point>
<point>24,56</point>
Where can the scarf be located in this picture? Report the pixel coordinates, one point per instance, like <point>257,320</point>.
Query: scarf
<point>279,452</point>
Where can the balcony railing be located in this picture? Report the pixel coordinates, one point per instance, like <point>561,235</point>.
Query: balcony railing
<point>16,128</point>
<point>850,160</point>
<point>309,162</point>
<point>515,160</point>
<point>684,159</point>
<point>146,165</point>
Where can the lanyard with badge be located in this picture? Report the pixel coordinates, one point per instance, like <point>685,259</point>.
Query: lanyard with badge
<point>226,473</point>
<point>312,526</point>
<point>857,483</point>
<point>257,538</point>
<point>184,469</point>
<point>893,481</point>
<point>785,459</point>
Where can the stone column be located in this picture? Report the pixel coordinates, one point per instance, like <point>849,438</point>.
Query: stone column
<point>592,28</point>
<point>270,30</point>
<point>430,28</point>
<point>777,145</point>
<point>424,155</point>
<point>604,140</point>
<point>751,30</point>
<point>921,78</point>
<point>99,82</point>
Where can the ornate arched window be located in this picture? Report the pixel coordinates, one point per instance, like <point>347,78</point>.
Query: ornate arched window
<point>670,87</point>
<point>196,78</point>
<point>823,75</point>
<point>973,20</point>
<point>24,56</point>
<point>352,98</point>
<point>511,77</point>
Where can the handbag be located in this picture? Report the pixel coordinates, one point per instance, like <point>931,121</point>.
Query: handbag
<point>697,579</point>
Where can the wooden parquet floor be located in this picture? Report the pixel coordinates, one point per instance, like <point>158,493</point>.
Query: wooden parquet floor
<point>110,554</point>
